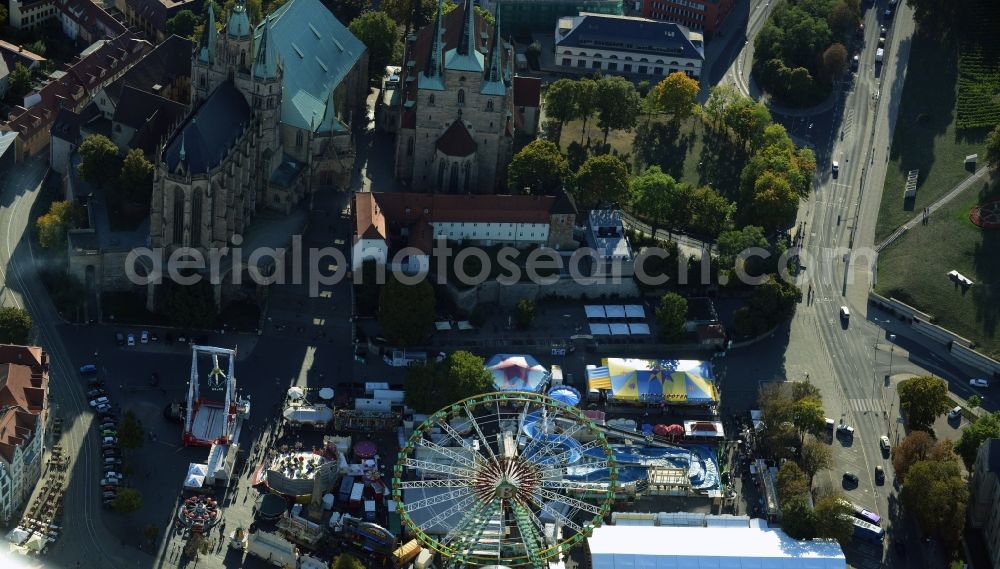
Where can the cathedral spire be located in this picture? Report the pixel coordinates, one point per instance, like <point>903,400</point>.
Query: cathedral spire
<point>434,65</point>
<point>468,43</point>
<point>207,53</point>
<point>493,72</point>
<point>266,62</point>
<point>182,154</point>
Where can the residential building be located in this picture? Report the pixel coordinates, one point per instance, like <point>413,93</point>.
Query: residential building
<point>984,499</point>
<point>639,48</point>
<point>455,110</point>
<point>151,16</point>
<point>10,56</point>
<point>105,62</point>
<point>704,16</point>
<point>523,16</point>
<point>527,97</point>
<point>24,379</point>
<point>79,19</point>
<point>386,223</point>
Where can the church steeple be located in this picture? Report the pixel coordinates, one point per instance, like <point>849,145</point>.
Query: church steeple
<point>207,52</point>
<point>493,79</point>
<point>468,43</point>
<point>434,64</point>
<point>465,56</point>
<point>266,61</point>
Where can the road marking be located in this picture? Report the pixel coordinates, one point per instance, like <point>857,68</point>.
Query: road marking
<point>865,405</point>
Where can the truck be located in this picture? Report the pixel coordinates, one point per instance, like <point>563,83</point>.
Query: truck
<point>879,54</point>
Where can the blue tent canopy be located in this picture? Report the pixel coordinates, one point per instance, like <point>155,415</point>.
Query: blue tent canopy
<point>565,393</point>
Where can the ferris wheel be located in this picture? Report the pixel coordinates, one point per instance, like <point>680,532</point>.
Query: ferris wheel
<point>510,479</point>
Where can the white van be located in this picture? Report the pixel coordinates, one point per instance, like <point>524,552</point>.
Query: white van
<point>955,413</point>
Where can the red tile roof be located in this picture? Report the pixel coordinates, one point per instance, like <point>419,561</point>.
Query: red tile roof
<point>375,214</point>
<point>456,140</point>
<point>527,91</point>
<point>81,82</point>
<point>24,378</point>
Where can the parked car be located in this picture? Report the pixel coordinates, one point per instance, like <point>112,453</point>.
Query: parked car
<point>836,168</point>
<point>113,460</point>
<point>110,440</point>
<point>153,337</point>
<point>846,430</point>
<point>851,478</point>
<point>879,474</point>
<point>111,453</point>
<point>99,401</point>
<point>979,382</point>
<point>955,413</point>
<point>94,381</point>
<point>883,442</point>
<point>144,337</point>
<point>131,339</point>
<point>109,482</point>
<point>182,339</point>
<point>89,369</point>
<point>119,338</point>
<point>108,496</point>
<point>110,474</point>
<point>845,313</point>
<point>95,393</point>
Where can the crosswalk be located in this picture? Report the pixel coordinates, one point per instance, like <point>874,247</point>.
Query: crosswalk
<point>865,405</point>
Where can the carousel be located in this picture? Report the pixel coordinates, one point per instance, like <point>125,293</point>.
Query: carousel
<point>199,513</point>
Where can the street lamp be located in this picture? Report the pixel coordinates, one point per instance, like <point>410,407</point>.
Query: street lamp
<point>892,347</point>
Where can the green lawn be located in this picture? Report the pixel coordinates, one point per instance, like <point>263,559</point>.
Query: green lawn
<point>926,137</point>
<point>913,269</point>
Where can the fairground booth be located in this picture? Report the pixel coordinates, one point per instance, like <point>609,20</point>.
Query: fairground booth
<point>652,382</point>
<point>517,372</point>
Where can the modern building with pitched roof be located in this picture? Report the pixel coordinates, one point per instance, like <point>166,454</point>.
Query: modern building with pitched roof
<point>151,16</point>
<point>24,380</point>
<point>638,48</point>
<point>455,112</point>
<point>385,223</point>
<point>984,502</point>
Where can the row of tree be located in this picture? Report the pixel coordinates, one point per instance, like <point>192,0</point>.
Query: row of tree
<point>432,385</point>
<point>829,518</point>
<point>800,50</point>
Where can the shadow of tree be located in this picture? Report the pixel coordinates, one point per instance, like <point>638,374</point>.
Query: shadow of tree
<point>721,164</point>
<point>986,260</point>
<point>660,144</point>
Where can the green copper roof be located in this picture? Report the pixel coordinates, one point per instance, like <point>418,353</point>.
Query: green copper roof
<point>207,51</point>
<point>238,25</point>
<point>316,53</point>
<point>266,61</point>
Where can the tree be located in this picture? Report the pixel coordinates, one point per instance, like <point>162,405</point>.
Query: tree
<point>586,101</point>
<point>98,159</point>
<point>431,385</point>
<point>797,518</point>
<point>54,225</point>
<point>710,212</point>
<point>834,519</point>
<point>346,561</point>
<point>834,61</point>
<point>917,446</point>
<point>720,98</point>
<point>15,326</point>
<point>618,104</point>
<point>732,243</point>
<point>560,103</point>
<point>182,24</point>
<point>19,82</point>
<point>973,436</point>
<point>808,416</point>
<point>127,501</point>
<point>671,315</point>
<point>774,203</point>
<point>993,148</point>
<point>675,95</point>
<point>346,10</point>
<point>974,401</point>
<point>922,399</point>
<point>937,495</point>
<point>602,180</point>
<point>379,34</point>
<point>406,312</point>
<point>792,481</point>
<point>130,431</point>
<point>539,168</point>
<point>524,313</point>
<point>842,19</point>
<point>190,306</point>
<point>813,457</point>
<point>659,199</point>
<point>137,176</point>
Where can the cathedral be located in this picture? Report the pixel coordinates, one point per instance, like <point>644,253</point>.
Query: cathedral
<point>272,109</point>
<point>456,109</point>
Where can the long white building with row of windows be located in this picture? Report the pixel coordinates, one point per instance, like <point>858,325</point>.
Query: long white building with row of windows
<point>622,45</point>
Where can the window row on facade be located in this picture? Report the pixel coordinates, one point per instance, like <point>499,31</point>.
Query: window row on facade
<point>624,67</point>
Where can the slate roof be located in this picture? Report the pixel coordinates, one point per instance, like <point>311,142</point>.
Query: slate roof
<point>68,123</point>
<point>168,62</point>
<point>208,133</point>
<point>91,17</point>
<point>136,107</point>
<point>993,456</point>
<point>316,53</point>
<point>157,12</point>
<point>629,34</point>
<point>456,140</point>
<point>13,54</point>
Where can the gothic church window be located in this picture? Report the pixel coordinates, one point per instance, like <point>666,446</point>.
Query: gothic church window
<point>440,174</point>
<point>196,218</point>
<point>409,146</point>
<point>489,105</point>
<point>298,139</point>
<point>430,100</point>
<point>461,97</point>
<point>178,217</point>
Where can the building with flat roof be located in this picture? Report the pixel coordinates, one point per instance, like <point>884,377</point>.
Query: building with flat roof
<point>659,547</point>
<point>638,48</point>
<point>523,16</point>
<point>702,15</point>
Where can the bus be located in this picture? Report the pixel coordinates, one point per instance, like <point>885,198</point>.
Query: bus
<point>868,532</point>
<point>870,517</point>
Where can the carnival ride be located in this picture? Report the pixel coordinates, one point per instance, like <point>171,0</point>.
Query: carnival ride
<point>208,420</point>
<point>199,513</point>
<point>485,480</point>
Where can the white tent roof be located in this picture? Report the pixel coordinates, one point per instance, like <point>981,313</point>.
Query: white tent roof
<point>600,330</point>
<point>618,547</point>
<point>638,329</point>
<point>634,311</point>
<point>594,311</point>
<point>619,329</point>
<point>614,310</point>
<point>194,481</point>
<point>326,393</point>
<point>197,469</point>
<point>296,393</point>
